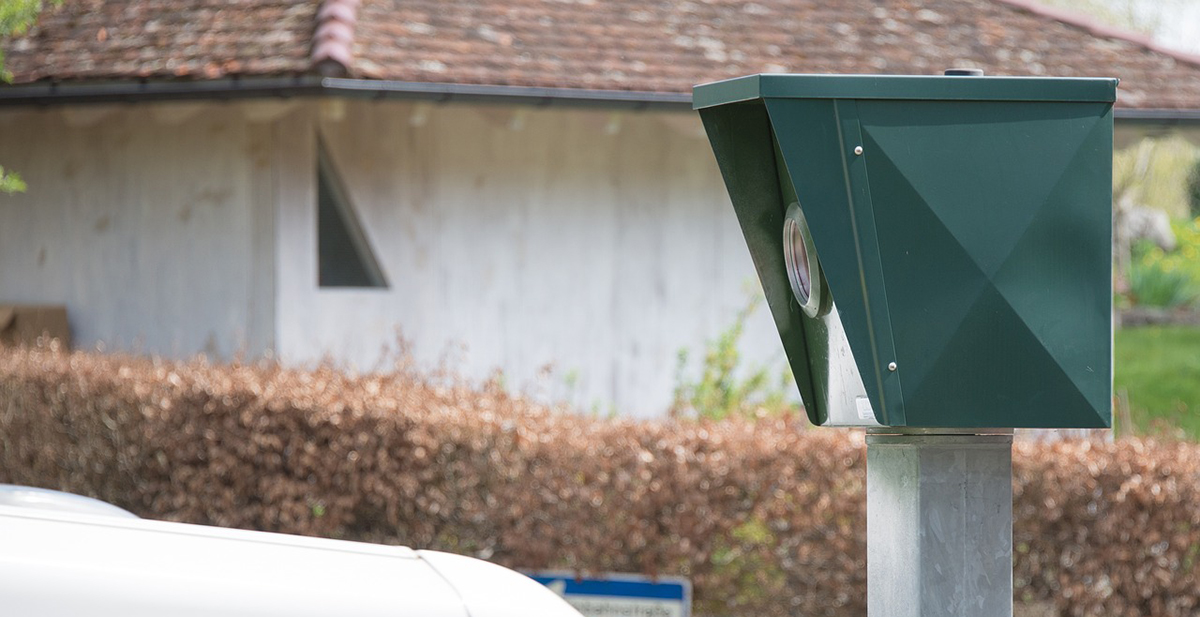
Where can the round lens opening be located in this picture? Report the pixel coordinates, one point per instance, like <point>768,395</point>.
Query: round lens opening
<point>800,259</point>
<point>797,263</point>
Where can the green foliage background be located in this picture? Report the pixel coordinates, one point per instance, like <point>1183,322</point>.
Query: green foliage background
<point>16,16</point>
<point>1153,171</point>
<point>1167,280</point>
<point>727,387</point>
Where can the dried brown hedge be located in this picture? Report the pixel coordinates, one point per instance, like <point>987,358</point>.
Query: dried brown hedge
<point>765,518</point>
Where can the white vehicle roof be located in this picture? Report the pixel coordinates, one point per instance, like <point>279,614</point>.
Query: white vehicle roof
<point>56,563</point>
<point>46,499</point>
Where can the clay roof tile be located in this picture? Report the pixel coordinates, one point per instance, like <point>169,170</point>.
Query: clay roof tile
<point>662,46</point>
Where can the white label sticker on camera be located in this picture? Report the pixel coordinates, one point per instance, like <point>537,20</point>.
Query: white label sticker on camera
<point>864,408</point>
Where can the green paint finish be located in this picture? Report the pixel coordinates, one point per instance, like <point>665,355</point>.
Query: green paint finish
<point>738,134</point>
<point>900,87</point>
<point>968,243</point>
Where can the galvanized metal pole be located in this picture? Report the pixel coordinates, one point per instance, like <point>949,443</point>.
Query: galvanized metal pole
<point>939,524</point>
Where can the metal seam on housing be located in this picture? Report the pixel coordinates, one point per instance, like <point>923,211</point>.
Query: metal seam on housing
<point>955,440</point>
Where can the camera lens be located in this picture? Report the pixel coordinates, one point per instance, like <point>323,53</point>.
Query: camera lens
<point>800,259</point>
<point>796,253</point>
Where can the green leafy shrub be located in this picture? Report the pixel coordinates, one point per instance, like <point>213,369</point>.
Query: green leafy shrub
<point>1167,280</point>
<point>726,387</point>
<point>1153,285</point>
<point>1187,256</point>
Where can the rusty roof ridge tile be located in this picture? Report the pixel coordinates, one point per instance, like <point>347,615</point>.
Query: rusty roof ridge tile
<point>1099,29</point>
<point>333,39</point>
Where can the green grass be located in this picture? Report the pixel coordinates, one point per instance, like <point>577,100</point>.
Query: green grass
<point>1159,369</point>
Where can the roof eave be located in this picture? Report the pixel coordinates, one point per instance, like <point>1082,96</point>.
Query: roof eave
<point>311,85</point>
<point>71,93</point>
<point>527,95</point>
<point>74,93</point>
<point>1157,117</point>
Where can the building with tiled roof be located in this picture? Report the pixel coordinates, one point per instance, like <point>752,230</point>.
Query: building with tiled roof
<point>522,179</point>
<point>651,48</point>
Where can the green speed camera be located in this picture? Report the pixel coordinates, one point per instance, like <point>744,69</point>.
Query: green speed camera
<point>935,251</point>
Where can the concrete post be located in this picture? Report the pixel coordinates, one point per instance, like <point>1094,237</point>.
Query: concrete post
<point>939,524</point>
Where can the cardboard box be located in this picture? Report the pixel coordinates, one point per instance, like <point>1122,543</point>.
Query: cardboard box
<point>23,325</point>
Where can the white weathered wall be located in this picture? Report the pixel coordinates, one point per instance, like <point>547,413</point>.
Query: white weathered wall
<point>151,223</point>
<point>595,243</point>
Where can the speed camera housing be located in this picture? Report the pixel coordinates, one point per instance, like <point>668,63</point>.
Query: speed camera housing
<point>935,250</point>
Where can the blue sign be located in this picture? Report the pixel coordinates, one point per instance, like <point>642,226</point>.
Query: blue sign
<point>621,595</point>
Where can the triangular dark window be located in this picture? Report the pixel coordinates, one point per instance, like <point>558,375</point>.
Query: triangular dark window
<point>344,255</point>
